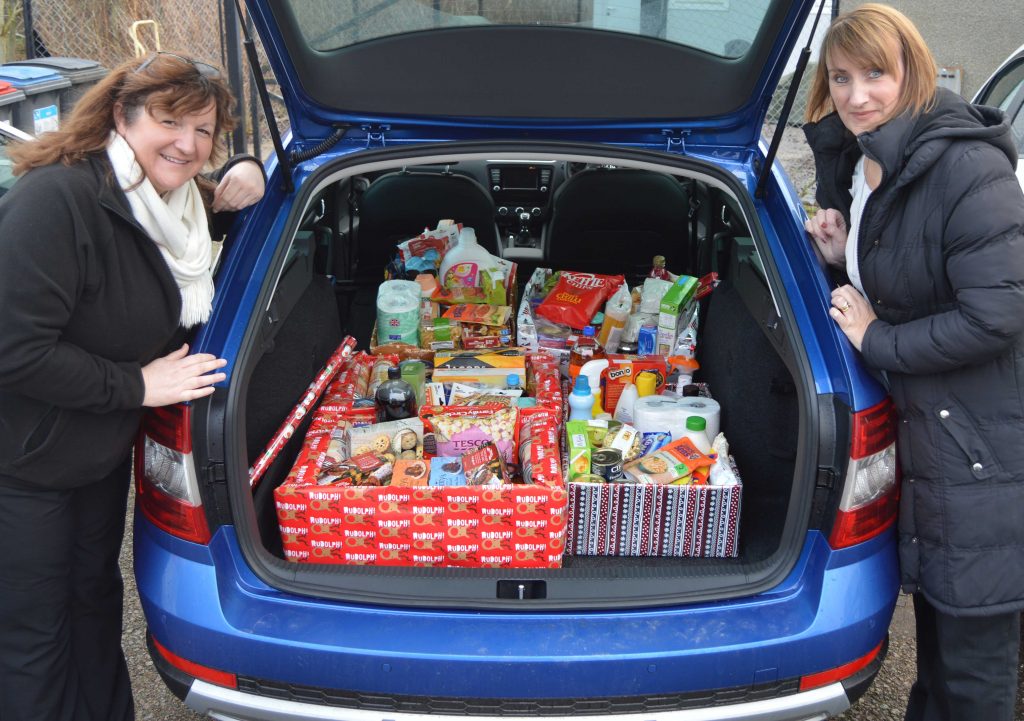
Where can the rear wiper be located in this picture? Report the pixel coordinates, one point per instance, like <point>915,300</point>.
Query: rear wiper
<point>787,107</point>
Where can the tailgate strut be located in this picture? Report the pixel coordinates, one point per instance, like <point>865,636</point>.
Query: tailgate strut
<point>787,107</point>
<point>261,86</point>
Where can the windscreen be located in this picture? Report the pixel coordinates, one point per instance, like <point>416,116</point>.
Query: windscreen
<point>725,28</point>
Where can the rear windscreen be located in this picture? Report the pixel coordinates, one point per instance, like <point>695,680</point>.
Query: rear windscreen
<point>725,28</point>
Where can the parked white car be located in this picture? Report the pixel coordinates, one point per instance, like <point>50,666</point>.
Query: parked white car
<point>1005,90</point>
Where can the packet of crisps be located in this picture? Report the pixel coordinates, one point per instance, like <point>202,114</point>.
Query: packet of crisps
<point>577,297</point>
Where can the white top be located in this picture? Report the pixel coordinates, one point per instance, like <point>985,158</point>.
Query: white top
<point>860,191</point>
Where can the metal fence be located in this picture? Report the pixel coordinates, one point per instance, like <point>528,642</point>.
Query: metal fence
<point>111,31</point>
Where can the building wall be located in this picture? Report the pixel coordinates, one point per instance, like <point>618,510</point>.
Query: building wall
<point>974,35</point>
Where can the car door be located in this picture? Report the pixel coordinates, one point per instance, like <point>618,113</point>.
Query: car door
<point>1005,90</point>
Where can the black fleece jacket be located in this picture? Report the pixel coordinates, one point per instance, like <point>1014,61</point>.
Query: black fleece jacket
<point>86,300</point>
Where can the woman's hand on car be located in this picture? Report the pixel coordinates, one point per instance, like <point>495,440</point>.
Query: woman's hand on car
<point>828,231</point>
<point>241,186</point>
<point>178,377</point>
<point>852,313</point>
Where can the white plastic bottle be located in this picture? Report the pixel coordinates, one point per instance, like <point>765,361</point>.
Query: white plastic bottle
<point>624,408</point>
<point>696,431</point>
<point>581,400</point>
<point>462,264</point>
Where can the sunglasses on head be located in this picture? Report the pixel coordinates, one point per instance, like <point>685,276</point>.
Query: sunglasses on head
<point>204,69</point>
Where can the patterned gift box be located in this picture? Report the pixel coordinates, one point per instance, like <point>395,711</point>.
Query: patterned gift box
<point>626,519</point>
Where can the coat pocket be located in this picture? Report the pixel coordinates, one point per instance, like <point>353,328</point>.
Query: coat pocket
<point>44,437</point>
<point>978,460</point>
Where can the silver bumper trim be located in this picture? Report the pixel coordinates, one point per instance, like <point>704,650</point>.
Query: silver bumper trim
<point>226,704</point>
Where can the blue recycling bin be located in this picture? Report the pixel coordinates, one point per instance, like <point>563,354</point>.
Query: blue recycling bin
<point>81,72</point>
<point>9,98</point>
<point>39,112</point>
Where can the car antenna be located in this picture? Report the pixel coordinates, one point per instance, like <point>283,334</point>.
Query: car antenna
<point>787,107</point>
<point>268,111</point>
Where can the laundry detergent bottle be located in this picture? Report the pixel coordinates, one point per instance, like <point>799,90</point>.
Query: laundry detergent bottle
<point>461,265</point>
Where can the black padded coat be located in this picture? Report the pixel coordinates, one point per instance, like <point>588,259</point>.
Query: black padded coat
<point>941,255</point>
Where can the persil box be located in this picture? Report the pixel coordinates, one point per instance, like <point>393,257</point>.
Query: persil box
<point>634,519</point>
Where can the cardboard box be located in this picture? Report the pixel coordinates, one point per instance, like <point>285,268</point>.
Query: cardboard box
<point>674,312</point>
<point>508,526</point>
<point>628,519</point>
<point>479,366</point>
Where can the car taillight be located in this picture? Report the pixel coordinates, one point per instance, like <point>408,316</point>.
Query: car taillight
<point>165,479</point>
<point>870,495</point>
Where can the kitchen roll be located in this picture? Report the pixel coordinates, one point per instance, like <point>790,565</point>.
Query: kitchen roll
<point>398,312</point>
<point>669,413</point>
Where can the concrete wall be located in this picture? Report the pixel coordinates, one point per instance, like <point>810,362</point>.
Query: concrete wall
<point>975,35</point>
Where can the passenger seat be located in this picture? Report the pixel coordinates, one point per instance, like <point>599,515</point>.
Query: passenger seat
<point>398,206</point>
<point>615,220</point>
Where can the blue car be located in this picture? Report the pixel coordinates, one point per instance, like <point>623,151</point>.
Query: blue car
<point>584,136</point>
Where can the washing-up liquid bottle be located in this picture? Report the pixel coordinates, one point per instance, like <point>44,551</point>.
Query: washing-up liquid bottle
<point>581,400</point>
<point>462,264</point>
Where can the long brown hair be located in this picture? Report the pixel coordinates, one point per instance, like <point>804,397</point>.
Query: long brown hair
<point>876,36</point>
<point>166,82</point>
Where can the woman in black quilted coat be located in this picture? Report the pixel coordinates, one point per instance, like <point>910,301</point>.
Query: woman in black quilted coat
<point>922,212</point>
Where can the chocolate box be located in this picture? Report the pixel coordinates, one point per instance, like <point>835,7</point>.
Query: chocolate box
<point>631,519</point>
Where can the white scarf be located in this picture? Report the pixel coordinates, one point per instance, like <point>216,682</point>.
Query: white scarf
<point>178,225</point>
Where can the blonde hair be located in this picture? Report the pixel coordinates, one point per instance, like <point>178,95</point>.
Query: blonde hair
<point>872,35</point>
<point>167,82</point>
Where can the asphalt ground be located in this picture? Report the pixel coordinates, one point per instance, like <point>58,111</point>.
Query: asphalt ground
<point>884,701</point>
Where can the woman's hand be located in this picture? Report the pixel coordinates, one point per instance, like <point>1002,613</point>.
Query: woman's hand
<point>828,231</point>
<point>179,377</point>
<point>241,186</point>
<point>852,313</point>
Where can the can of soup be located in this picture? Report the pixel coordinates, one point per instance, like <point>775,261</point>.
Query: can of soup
<point>607,463</point>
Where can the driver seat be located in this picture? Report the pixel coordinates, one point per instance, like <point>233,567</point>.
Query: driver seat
<point>615,220</point>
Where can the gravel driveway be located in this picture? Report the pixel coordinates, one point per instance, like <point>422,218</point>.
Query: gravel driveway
<point>885,701</point>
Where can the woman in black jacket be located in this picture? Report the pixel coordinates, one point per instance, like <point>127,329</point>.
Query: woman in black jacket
<point>105,257</point>
<point>922,212</point>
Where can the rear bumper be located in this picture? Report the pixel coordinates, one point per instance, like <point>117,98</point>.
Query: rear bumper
<point>308,658</point>
<point>228,705</point>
